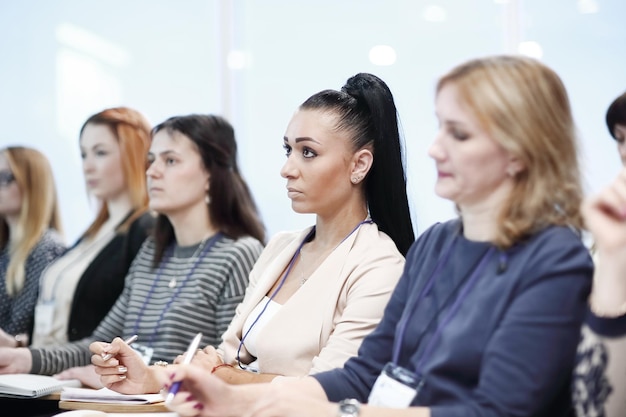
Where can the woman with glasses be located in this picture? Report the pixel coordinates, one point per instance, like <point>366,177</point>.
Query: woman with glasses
<point>30,238</point>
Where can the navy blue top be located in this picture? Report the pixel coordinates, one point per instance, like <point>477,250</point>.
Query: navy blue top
<point>509,349</point>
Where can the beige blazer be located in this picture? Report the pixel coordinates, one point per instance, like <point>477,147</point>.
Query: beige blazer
<point>322,325</point>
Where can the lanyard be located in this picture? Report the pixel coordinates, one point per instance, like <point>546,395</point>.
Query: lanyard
<point>307,238</point>
<point>453,310</point>
<point>205,250</point>
<point>413,302</point>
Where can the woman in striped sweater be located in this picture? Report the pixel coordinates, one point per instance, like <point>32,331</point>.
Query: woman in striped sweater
<point>192,273</point>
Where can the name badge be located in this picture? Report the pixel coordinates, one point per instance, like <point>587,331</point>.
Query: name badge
<point>395,387</point>
<point>44,318</point>
<point>145,352</point>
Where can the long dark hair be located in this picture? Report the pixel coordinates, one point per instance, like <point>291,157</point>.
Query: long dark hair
<point>367,112</point>
<point>232,209</point>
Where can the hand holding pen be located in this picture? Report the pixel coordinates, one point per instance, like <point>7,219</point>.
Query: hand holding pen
<point>121,368</point>
<point>128,341</point>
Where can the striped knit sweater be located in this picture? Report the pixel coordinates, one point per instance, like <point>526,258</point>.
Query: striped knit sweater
<point>207,290</point>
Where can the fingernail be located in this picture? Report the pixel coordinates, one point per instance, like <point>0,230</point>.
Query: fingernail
<point>122,369</point>
<point>198,406</point>
<point>122,376</point>
<point>189,397</point>
<point>172,375</point>
<point>166,386</point>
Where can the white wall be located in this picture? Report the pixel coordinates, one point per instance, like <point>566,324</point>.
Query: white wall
<point>62,60</point>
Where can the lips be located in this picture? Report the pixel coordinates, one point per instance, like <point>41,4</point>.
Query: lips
<point>292,192</point>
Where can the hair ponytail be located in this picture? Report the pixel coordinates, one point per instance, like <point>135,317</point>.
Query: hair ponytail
<point>366,109</point>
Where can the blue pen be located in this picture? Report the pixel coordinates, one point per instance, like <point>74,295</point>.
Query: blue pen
<point>191,351</point>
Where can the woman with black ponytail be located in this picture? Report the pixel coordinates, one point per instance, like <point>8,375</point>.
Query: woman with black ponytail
<point>315,294</point>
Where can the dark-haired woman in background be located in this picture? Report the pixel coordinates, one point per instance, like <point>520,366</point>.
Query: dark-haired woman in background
<point>190,277</point>
<point>315,294</point>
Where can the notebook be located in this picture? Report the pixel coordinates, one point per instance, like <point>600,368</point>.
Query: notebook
<point>32,386</point>
<point>105,395</point>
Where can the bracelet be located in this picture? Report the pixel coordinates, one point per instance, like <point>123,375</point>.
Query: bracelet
<point>215,368</point>
<point>161,363</point>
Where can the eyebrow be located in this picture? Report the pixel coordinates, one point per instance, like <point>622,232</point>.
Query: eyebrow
<point>165,152</point>
<point>94,146</point>
<point>302,139</point>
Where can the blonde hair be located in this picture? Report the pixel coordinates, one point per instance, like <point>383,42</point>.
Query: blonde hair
<point>523,105</point>
<point>39,211</point>
<point>132,131</point>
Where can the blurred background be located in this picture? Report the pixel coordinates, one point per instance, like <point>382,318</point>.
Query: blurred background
<point>255,61</point>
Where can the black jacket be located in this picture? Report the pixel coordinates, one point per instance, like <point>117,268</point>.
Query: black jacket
<point>103,280</point>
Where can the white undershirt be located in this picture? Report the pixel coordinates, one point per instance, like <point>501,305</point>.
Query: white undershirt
<point>251,338</point>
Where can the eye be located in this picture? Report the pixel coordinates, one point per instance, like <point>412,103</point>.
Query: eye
<point>83,155</point>
<point>150,159</point>
<point>287,149</point>
<point>458,134</point>
<point>308,152</point>
<point>101,152</point>
<point>170,161</point>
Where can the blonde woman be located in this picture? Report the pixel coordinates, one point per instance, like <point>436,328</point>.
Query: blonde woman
<point>29,237</point>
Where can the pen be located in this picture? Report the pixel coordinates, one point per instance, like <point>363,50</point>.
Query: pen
<point>127,341</point>
<point>191,351</point>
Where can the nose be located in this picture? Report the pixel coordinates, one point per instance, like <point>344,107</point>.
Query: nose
<point>435,150</point>
<point>288,170</point>
<point>87,164</point>
<point>153,169</point>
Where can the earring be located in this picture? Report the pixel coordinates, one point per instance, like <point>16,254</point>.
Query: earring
<point>207,199</point>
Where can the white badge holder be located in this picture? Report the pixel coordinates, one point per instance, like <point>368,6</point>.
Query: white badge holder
<point>44,318</point>
<point>395,387</point>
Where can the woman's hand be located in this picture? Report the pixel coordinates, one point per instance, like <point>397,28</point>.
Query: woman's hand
<point>203,394</point>
<point>15,360</point>
<point>288,401</point>
<point>206,358</point>
<point>605,216</point>
<point>125,371</point>
<point>85,374</point>
<point>6,340</point>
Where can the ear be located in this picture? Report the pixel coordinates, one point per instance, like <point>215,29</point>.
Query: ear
<point>361,164</point>
<point>515,166</point>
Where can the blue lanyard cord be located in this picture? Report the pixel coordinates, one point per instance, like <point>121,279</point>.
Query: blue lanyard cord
<point>308,238</point>
<point>414,301</point>
<point>453,310</point>
<point>201,255</point>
